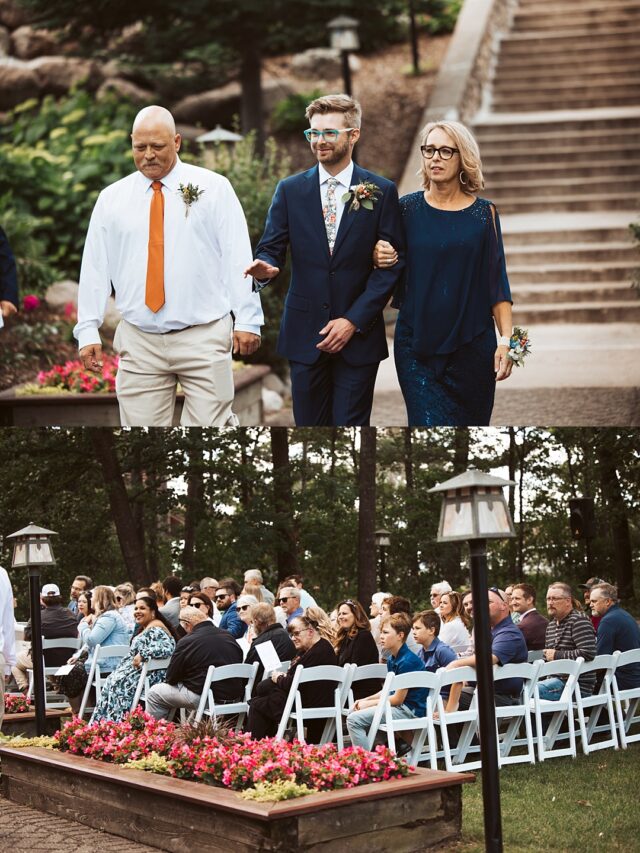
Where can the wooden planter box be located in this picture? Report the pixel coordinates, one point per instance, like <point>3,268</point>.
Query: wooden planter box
<point>25,724</point>
<point>404,815</point>
<point>74,410</point>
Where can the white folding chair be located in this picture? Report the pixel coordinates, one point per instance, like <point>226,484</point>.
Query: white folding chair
<point>53,698</point>
<point>454,758</point>
<point>516,715</point>
<point>601,699</point>
<point>366,673</point>
<point>294,710</point>
<point>144,685</point>
<point>423,727</point>
<point>100,653</point>
<point>215,674</point>
<point>536,654</point>
<point>627,701</point>
<point>560,709</point>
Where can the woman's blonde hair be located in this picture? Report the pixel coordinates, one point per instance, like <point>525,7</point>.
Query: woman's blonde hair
<point>326,627</point>
<point>104,599</point>
<point>126,592</point>
<point>471,177</point>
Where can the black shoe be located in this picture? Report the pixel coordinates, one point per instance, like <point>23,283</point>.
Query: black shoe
<point>403,749</point>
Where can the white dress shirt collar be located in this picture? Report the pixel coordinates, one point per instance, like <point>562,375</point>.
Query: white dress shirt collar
<point>343,177</point>
<point>171,180</point>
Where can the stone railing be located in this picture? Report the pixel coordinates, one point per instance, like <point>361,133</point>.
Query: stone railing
<point>465,73</point>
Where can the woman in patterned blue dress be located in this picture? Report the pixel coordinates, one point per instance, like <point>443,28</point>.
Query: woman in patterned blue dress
<point>155,639</point>
<point>455,289</point>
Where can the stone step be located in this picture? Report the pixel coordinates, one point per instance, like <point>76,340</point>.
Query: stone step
<point>578,272</point>
<point>526,103</point>
<point>493,159</point>
<point>568,10</point>
<point>568,40</point>
<point>594,53</point>
<point>545,22</point>
<point>564,131</point>
<point>561,203</point>
<point>563,235</point>
<point>572,86</point>
<point>569,5</point>
<point>542,255</point>
<point>555,186</point>
<point>613,291</point>
<point>577,312</point>
<point>549,167</point>
<point>516,78</point>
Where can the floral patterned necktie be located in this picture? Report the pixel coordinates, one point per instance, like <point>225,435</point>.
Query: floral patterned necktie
<point>330,213</point>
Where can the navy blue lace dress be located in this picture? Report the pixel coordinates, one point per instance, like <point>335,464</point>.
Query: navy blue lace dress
<point>445,337</point>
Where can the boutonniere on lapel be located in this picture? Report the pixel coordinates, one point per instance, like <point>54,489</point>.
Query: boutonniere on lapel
<point>365,195</point>
<point>190,195</point>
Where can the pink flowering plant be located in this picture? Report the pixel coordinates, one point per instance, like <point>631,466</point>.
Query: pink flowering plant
<point>16,703</point>
<point>233,761</point>
<point>72,376</point>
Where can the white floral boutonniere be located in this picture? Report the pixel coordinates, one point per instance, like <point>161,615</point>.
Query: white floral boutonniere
<point>190,195</point>
<point>365,195</point>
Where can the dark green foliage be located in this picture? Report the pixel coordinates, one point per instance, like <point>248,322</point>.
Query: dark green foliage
<point>288,114</point>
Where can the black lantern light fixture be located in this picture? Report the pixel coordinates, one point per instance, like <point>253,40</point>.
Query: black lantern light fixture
<point>383,543</point>
<point>474,509</point>
<point>32,550</point>
<point>343,36</point>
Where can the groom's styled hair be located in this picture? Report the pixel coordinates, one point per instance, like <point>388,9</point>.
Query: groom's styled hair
<point>337,104</point>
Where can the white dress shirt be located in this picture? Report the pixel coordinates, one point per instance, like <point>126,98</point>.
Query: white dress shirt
<point>344,182</point>
<point>7,622</point>
<point>205,254</point>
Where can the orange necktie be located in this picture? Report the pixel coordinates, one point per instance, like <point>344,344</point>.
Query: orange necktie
<point>154,294</point>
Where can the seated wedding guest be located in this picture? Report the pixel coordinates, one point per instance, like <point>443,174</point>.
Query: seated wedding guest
<point>326,627</point>
<point>355,644</point>
<point>245,605</point>
<point>437,590</point>
<point>399,604</point>
<point>375,612</point>
<point>171,587</point>
<point>532,624</point>
<point>405,704</point>
<point>154,640</point>
<point>507,646</point>
<point>306,599</point>
<point>586,592</point>
<point>254,576</point>
<point>158,590</point>
<point>433,651</point>
<point>569,636</point>
<point>267,629</point>
<point>185,595</point>
<point>107,628</point>
<point>125,598</point>
<point>455,623</point>
<point>203,646</point>
<point>56,622</point>
<point>254,589</point>
<point>81,583</point>
<point>202,601</point>
<point>289,601</point>
<point>618,631</point>
<point>150,591</point>
<point>226,595</point>
<point>266,707</point>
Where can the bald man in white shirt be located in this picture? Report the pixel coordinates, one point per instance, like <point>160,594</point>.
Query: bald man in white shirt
<point>172,240</point>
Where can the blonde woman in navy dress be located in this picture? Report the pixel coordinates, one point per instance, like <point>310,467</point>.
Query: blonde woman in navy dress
<point>455,292</point>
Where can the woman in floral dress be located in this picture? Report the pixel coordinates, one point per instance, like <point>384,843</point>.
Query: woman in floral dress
<point>156,639</point>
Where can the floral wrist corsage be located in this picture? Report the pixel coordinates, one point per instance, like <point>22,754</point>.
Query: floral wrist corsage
<point>190,195</point>
<point>519,346</point>
<point>365,195</point>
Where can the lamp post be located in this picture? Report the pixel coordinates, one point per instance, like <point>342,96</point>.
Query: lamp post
<point>213,139</point>
<point>32,550</point>
<point>343,36</point>
<point>474,509</point>
<point>383,541</point>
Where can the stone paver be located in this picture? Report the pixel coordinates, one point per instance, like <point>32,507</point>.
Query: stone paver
<point>24,828</point>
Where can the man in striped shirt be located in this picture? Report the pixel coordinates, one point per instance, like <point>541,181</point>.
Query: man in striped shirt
<point>569,636</point>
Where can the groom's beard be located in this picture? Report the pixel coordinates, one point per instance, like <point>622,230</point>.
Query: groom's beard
<point>334,154</point>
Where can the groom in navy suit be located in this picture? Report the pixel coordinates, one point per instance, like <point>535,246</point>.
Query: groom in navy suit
<point>332,328</point>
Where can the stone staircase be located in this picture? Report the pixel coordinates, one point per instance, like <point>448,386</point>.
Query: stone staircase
<point>560,140</point>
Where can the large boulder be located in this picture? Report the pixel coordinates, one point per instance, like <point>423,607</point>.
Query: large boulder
<point>28,42</point>
<point>18,81</point>
<point>57,74</point>
<point>12,15</point>
<point>61,293</point>
<point>220,105</point>
<point>324,62</point>
<point>126,89</point>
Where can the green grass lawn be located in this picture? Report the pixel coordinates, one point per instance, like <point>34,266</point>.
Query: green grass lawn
<point>588,803</point>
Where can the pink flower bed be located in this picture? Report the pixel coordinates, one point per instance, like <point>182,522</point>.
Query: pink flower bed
<point>237,761</point>
<point>16,704</point>
<point>72,376</point>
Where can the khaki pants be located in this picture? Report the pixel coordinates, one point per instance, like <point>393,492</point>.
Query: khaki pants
<point>151,365</point>
<point>19,671</point>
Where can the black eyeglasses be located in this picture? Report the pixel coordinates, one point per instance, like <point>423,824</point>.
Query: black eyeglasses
<point>282,600</point>
<point>197,604</point>
<point>445,151</point>
<point>244,607</point>
<point>497,592</point>
<point>220,597</point>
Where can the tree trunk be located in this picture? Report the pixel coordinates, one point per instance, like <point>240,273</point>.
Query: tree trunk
<point>286,556</point>
<point>251,103</point>
<point>130,543</point>
<point>194,509</point>
<point>367,515</point>
<point>618,521</point>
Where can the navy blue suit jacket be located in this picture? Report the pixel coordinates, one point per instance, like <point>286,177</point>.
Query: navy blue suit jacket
<point>8,275</point>
<point>326,286</point>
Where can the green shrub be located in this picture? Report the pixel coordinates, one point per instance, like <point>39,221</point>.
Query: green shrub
<point>35,272</point>
<point>443,15</point>
<point>288,114</point>
<point>273,792</point>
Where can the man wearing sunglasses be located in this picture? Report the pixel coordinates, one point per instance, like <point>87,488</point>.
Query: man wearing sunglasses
<point>332,328</point>
<point>289,601</point>
<point>225,600</point>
